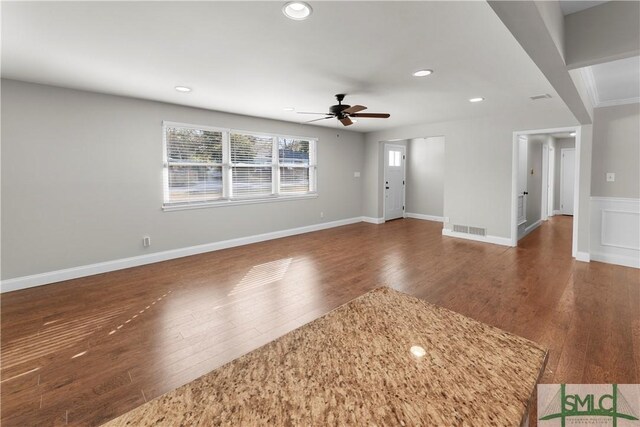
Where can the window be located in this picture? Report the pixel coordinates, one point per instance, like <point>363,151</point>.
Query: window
<point>208,166</point>
<point>395,158</point>
<point>251,165</point>
<point>296,169</point>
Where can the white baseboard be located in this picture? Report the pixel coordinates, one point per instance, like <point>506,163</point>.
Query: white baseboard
<point>119,264</point>
<point>583,256</point>
<point>425,217</point>
<point>372,220</point>
<point>616,259</point>
<point>532,227</point>
<point>503,241</point>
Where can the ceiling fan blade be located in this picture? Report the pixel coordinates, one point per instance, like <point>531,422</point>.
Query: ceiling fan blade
<point>321,118</point>
<point>306,112</point>
<point>372,115</point>
<point>346,121</point>
<point>354,109</point>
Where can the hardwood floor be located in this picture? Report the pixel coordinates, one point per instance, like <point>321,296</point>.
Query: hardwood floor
<point>87,350</point>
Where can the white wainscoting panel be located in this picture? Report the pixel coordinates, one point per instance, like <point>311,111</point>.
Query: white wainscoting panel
<point>615,231</point>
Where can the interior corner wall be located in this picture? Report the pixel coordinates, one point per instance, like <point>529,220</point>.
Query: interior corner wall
<point>560,144</point>
<point>584,190</point>
<point>616,148</point>
<point>82,180</point>
<point>425,176</point>
<point>477,164</point>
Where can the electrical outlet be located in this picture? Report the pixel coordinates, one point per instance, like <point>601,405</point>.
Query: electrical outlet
<point>321,214</point>
<point>356,174</point>
<point>146,241</point>
<point>611,177</point>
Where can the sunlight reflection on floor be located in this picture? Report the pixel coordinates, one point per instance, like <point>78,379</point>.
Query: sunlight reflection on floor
<point>262,274</point>
<point>54,338</point>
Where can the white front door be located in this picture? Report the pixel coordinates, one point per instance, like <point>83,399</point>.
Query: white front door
<point>394,176</point>
<point>567,180</point>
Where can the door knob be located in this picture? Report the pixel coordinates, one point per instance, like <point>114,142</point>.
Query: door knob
<point>386,188</point>
<point>525,193</point>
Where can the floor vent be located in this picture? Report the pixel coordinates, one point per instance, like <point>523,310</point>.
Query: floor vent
<point>478,231</point>
<point>460,228</point>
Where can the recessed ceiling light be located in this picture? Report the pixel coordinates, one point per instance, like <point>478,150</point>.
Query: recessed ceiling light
<point>476,99</point>
<point>289,109</point>
<point>572,134</point>
<point>297,10</point>
<point>183,89</point>
<point>417,351</point>
<point>422,73</point>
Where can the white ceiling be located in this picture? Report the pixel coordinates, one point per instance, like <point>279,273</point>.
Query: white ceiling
<point>247,58</point>
<point>573,6</point>
<point>614,83</point>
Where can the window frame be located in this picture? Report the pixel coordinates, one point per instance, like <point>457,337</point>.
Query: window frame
<point>227,198</point>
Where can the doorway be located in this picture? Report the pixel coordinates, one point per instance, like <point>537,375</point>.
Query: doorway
<point>534,202</point>
<point>394,181</point>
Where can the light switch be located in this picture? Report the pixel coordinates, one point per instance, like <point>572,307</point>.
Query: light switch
<point>356,174</point>
<point>611,177</point>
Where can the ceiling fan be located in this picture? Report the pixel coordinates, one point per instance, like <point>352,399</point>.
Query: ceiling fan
<point>344,112</point>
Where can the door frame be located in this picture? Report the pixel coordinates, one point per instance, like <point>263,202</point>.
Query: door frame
<point>384,178</point>
<point>521,139</point>
<point>551,180</point>
<point>562,151</point>
<point>544,203</point>
<point>576,184</point>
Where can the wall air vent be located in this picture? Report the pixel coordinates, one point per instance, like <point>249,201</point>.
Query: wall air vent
<point>543,96</point>
<point>478,231</point>
<point>460,228</point>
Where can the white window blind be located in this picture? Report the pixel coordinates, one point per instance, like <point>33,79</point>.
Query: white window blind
<point>217,166</point>
<point>194,165</point>
<point>251,165</point>
<point>297,165</point>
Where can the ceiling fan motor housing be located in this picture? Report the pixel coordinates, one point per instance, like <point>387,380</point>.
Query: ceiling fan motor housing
<point>337,109</point>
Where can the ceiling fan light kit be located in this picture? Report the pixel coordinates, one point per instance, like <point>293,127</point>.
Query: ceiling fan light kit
<point>344,113</point>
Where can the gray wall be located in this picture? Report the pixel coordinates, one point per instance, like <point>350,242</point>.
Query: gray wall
<point>477,166</point>
<point>425,176</point>
<point>616,148</point>
<point>534,180</point>
<point>82,180</point>
<point>560,144</point>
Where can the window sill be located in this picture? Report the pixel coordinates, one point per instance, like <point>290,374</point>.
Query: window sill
<point>236,202</point>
